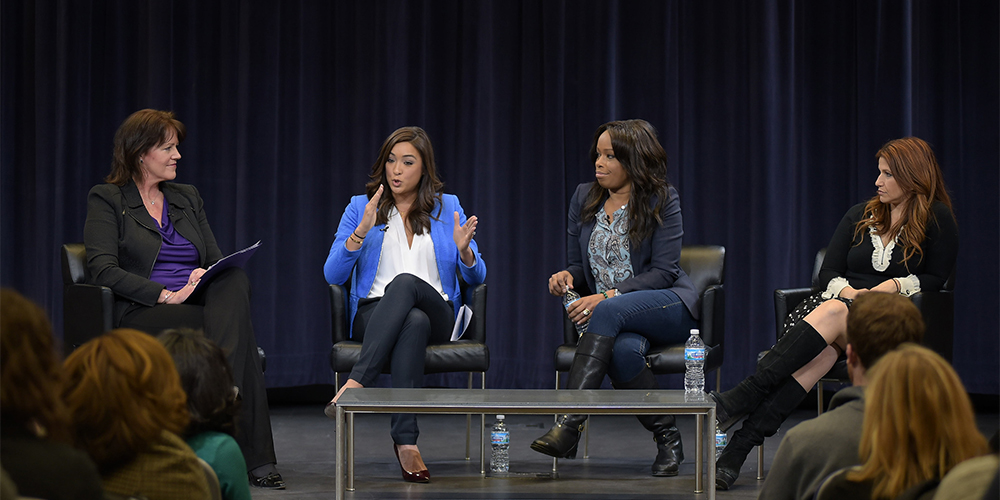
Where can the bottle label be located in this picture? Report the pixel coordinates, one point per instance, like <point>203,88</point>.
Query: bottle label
<point>499,438</point>
<point>566,305</point>
<point>721,440</point>
<point>694,354</point>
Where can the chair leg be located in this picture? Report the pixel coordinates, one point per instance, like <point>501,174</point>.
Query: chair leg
<point>468,425</point>
<point>819,398</point>
<point>718,379</point>
<point>760,462</point>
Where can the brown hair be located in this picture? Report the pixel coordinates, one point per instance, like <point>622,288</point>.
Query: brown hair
<point>141,131</point>
<point>917,173</point>
<point>644,160</point>
<point>207,379</point>
<point>122,391</point>
<point>880,322</point>
<point>918,422</point>
<point>428,192</point>
<point>30,367</point>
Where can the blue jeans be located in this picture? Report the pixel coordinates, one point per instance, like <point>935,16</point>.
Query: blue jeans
<point>637,320</point>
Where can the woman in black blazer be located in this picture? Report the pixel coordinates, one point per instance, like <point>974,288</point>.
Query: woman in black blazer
<point>624,248</point>
<point>149,241</point>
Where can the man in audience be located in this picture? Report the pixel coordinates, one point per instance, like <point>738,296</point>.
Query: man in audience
<point>876,324</point>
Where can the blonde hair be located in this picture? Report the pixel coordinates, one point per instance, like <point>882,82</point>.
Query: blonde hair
<point>918,422</point>
<point>122,391</point>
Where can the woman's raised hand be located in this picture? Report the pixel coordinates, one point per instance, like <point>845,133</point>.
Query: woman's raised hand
<point>371,209</point>
<point>559,282</point>
<point>463,236</point>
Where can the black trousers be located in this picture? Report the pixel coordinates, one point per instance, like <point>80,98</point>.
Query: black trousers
<point>222,310</point>
<point>398,328</point>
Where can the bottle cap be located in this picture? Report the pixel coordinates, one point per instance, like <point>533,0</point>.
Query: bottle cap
<point>500,417</point>
<point>694,331</point>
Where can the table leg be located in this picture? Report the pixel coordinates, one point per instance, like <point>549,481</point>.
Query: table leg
<point>699,452</point>
<point>339,445</point>
<point>350,451</point>
<point>710,438</point>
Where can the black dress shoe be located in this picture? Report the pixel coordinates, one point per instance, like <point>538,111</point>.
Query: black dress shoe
<point>271,481</point>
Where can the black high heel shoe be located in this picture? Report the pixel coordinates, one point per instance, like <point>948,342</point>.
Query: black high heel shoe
<point>421,476</point>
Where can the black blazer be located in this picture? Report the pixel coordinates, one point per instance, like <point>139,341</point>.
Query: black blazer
<point>656,261</point>
<point>123,242</point>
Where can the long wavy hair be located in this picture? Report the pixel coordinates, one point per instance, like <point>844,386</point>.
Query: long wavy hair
<point>917,173</point>
<point>141,131</point>
<point>918,422</point>
<point>207,379</point>
<point>644,160</point>
<point>428,191</point>
<point>123,392</point>
<point>30,370</point>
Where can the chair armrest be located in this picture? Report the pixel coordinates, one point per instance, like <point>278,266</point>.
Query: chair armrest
<point>938,311</point>
<point>713,315</point>
<point>785,301</point>
<point>475,298</point>
<point>338,314</point>
<point>88,311</point>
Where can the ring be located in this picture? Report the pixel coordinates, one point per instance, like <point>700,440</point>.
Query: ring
<point>586,312</point>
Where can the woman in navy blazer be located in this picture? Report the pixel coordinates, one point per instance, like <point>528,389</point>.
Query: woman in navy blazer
<point>624,243</point>
<point>403,245</point>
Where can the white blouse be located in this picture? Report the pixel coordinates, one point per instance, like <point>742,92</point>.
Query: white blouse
<point>399,257</point>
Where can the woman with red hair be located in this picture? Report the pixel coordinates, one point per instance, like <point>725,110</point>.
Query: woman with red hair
<point>902,240</point>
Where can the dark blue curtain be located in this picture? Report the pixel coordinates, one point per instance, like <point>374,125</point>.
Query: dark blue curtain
<point>771,113</point>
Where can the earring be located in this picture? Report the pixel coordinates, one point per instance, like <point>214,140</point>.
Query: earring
<point>140,160</point>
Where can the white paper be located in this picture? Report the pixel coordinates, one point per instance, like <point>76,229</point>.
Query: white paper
<point>461,322</point>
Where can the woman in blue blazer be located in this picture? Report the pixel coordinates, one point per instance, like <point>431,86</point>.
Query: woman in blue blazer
<point>624,249</point>
<point>403,245</point>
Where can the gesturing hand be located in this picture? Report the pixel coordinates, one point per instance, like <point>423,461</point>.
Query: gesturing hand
<point>371,209</point>
<point>463,236</point>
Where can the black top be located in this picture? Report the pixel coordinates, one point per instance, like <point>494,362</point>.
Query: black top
<point>851,257</point>
<point>45,469</point>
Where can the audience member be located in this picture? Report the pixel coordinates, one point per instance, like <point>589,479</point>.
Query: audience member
<point>918,425</point>
<point>126,399</point>
<point>213,403</point>
<point>814,449</point>
<point>34,424</point>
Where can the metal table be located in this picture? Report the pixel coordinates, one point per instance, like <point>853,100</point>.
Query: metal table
<point>520,401</point>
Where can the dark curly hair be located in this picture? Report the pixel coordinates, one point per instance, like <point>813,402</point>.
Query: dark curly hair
<point>207,379</point>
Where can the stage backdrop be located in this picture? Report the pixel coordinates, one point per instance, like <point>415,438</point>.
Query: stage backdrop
<point>771,113</point>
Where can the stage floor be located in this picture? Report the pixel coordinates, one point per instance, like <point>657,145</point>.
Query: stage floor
<point>621,451</point>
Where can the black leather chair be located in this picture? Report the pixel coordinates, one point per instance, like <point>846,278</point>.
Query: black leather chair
<point>88,309</point>
<point>467,354</point>
<point>706,266</point>
<point>936,307</point>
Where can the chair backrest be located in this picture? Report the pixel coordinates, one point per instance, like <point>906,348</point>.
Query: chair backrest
<point>74,263</point>
<point>704,264</point>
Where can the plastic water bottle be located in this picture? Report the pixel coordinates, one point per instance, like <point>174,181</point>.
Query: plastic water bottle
<point>721,440</point>
<point>694,364</point>
<point>500,439</point>
<point>568,298</point>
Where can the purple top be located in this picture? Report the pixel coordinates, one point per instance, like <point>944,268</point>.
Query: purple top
<point>177,258</point>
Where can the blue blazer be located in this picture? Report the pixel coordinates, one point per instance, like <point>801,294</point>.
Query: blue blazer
<point>362,264</point>
<point>656,261</point>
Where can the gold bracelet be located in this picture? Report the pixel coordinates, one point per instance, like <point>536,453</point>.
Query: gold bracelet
<point>359,242</point>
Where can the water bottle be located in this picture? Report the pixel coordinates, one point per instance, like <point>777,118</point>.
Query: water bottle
<point>721,440</point>
<point>694,364</point>
<point>500,440</point>
<point>568,298</point>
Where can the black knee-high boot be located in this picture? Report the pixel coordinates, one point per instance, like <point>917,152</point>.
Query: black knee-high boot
<point>590,363</point>
<point>669,451</point>
<point>799,346</point>
<point>762,423</point>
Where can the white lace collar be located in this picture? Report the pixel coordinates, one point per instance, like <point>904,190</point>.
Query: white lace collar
<point>882,255</point>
